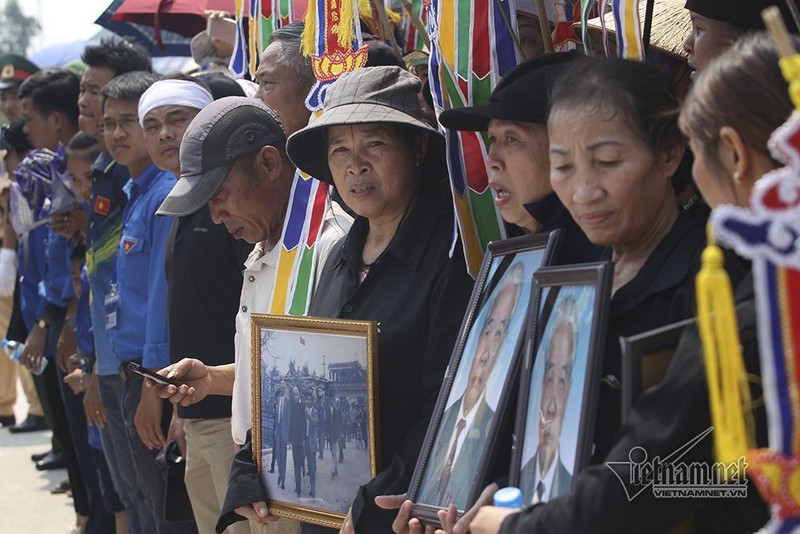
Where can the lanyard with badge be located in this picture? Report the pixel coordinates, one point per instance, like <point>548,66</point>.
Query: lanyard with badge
<point>111,300</point>
<point>111,308</point>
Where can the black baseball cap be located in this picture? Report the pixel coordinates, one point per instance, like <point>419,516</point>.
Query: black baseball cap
<point>522,95</point>
<point>743,14</point>
<point>13,136</point>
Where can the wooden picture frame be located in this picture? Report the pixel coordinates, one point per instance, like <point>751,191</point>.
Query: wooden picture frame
<point>560,378</point>
<point>452,468</point>
<point>331,363</point>
<point>645,359</point>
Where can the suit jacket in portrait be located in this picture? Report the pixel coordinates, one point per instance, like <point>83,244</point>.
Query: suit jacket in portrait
<point>561,484</point>
<point>297,425</point>
<point>282,420</point>
<point>465,466</point>
<point>312,422</point>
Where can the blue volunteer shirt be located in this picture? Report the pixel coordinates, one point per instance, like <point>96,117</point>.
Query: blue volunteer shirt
<point>141,330</point>
<point>83,321</point>
<point>57,286</point>
<point>32,260</point>
<point>105,229</point>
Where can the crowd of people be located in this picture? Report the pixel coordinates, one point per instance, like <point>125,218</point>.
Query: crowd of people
<point>165,203</point>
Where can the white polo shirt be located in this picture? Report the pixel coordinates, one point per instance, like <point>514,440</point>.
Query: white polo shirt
<point>259,277</point>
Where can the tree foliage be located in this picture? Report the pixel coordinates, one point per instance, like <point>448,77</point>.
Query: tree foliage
<point>17,30</point>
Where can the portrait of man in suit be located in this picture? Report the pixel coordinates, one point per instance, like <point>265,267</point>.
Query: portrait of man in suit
<point>544,475</point>
<point>465,425</point>
<point>312,422</point>
<point>282,415</point>
<point>297,437</point>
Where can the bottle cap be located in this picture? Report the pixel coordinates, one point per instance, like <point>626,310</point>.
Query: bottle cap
<point>508,498</point>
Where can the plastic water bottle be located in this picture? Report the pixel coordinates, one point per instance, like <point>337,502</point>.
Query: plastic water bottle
<point>13,350</point>
<point>508,498</point>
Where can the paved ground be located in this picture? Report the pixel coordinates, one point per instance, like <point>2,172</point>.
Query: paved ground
<point>334,494</point>
<point>26,505</point>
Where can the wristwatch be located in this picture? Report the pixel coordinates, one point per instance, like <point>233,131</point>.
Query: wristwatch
<point>42,323</point>
<point>70,324</point>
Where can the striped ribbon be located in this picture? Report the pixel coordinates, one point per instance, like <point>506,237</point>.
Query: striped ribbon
<point>308,203</point>
<point>471,48</point>
<point>629,29</point>
<point>332,37</point>
<point>411,37</point>
<point>628,26</point>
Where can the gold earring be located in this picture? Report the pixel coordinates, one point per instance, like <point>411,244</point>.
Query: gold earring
<point>737,178</point>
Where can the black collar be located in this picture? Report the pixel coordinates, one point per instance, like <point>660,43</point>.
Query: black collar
<point>669,263</point>
<point>410,241</point>
<point>550,213</point>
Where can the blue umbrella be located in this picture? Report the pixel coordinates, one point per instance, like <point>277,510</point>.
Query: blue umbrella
<point>58,55</point>
<point>173,43</point>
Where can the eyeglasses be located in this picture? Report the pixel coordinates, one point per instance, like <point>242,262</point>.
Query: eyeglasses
<point>125,123</point>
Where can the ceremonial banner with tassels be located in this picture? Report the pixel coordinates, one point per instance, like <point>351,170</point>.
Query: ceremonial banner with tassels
<point>332,37</point>
<point>472,46</point>
<point>769,234</point>
<point>627,22</point>
<point>263,17</point>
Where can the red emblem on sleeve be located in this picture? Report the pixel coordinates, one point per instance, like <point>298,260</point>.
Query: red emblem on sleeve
<point>128,243</point>
<point>102,205</point>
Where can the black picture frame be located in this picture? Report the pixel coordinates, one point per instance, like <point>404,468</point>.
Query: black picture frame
<point>578,295</point>
<point>504,262</point>
<point>645,359</point>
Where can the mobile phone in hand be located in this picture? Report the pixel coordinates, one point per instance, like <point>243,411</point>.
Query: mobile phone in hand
<point>152,375</point>
<point>223,29</point>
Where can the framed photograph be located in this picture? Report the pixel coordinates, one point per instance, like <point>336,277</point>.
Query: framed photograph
<point>455,458</point>
<point>314,413</point>
<point>560,378</point>
<point>645,359</point>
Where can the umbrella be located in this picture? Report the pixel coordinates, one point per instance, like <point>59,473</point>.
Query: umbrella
<point>159,44</point>
<point>180,16</point>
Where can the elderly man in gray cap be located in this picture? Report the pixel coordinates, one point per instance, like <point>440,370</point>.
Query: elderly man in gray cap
<point>233,159</point>
<point>204,264</point>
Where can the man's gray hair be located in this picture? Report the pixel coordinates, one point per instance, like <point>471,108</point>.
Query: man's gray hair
<point>566,312</point>
<point>291,54</point>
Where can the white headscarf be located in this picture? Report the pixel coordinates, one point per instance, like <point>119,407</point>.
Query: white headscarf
<point>173,93</point>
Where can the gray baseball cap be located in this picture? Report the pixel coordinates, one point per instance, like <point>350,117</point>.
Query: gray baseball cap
<point>224,131</point>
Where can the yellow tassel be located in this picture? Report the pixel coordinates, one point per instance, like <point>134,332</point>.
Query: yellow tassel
<point>365,8</point>
<point>345,30</point>
<point>728,392</point>
<point>394,16</point>
<point>309,30</point>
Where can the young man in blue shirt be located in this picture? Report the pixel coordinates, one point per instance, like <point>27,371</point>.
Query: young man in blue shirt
<point>136,306</point>
<point>104,62</point>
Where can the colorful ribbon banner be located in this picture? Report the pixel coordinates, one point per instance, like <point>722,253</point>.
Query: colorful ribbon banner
<point>252,40</point>
<point>627,21</point>
<point>332,37</point>
<point>471,48</point>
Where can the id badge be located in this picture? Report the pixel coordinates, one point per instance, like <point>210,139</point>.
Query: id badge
<point>111,307</point>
